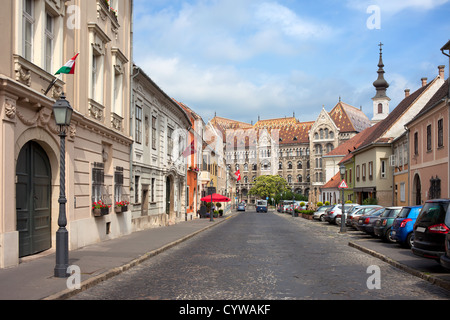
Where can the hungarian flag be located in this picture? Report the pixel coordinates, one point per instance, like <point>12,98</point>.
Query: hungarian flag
<point>69,67</point>
<point>189,150</point>
<point>238,175</point>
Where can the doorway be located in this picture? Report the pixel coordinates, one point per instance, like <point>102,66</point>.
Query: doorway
<point>33,199</point>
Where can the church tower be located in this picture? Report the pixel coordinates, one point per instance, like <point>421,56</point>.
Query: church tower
<point>381,100</point>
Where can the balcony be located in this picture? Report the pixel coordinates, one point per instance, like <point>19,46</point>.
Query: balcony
<point>205,177</point>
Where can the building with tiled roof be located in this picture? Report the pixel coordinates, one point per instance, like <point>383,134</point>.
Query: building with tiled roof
<point>281,146</point>
<point>375,161</point>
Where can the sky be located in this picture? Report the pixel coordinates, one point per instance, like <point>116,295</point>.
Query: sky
<point>244,59</point>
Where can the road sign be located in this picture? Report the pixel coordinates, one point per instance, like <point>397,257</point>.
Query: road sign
<point>343,185</point>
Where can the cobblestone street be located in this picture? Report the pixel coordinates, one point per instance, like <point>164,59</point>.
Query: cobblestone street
<point>263,256</point>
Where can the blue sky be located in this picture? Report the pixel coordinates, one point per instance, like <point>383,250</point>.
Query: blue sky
<point>247,58</point>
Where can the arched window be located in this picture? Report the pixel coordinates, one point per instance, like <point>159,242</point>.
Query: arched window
<point>299,178</point>
<point>299,165</point>
<point>380,108</point>
<point>290,165</point>
<point>289,179</point>
<point>280,165</point>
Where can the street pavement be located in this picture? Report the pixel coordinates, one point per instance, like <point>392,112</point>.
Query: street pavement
<point>33,278</point>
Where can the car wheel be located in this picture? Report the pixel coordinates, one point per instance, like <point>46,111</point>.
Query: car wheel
<point>322,218</point>
<point>388,236</point>
<point>409,240</point>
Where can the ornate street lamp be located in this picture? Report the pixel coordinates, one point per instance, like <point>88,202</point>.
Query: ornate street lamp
<point>211,191</point>
<point>342,172</point>
<point>63,114</point>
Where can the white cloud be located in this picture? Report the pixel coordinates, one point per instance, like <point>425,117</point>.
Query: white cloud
<point>395,6</point>
<point>274,15</point>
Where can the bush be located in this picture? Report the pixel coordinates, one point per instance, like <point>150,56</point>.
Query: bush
<point>302,204</point>
<point>369,201</point>
<point>348,201</point>
<point>319,204</point>
<point>327,203</point>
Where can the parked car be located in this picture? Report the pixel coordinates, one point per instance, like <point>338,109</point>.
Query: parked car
<point>431,228</point>
<point>336,210</point>
<point>365,222</point>
<point>383,226</point>
<point>241,207</point>
<point>402,228</point>
<point>445,258</point>
<point>352,217</point>
<point>261,205</point>
<point>319,214</point>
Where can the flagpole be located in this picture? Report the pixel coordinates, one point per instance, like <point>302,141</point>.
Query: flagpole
<point>52,84</point>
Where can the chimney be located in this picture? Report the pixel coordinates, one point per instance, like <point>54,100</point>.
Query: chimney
<point>406,93</point>
<point>424,81</point>
<point>441,72</point>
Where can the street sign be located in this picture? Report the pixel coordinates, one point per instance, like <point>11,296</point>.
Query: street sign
<point>343,185</point>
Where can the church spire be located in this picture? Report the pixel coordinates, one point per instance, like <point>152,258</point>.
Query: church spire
<point>381,84</point>
<point>381,100</point>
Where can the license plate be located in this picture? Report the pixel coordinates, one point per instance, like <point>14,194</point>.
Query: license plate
<point>420,229</point>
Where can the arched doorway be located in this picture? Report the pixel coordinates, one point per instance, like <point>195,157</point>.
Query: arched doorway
<point>417,190</point>
<point>33,199</point>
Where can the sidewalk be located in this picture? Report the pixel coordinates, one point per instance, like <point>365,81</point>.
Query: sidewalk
<point>34,280</point>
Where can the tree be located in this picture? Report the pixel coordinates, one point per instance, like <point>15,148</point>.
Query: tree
<point>268,186</point>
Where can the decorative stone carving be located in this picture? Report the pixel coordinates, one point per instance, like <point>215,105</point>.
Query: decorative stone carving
<point>10,108</point>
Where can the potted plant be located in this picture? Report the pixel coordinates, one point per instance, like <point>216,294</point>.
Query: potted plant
<point>99,208</point>
<point>121,206</point>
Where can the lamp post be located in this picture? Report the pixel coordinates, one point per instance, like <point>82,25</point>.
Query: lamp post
<point>63,114</point>
<point>211,191</point>
<point>342,172</point>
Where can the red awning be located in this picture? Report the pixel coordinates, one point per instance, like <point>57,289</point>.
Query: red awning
<point>216,198</point>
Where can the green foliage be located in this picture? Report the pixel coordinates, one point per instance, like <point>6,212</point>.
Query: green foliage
<point>268,186</point>
<point>370,201</point>
<point>319,204</point>
<point>348,201</point>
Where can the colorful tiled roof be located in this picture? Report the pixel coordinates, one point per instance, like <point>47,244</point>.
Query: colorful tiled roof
<point>348,118</point>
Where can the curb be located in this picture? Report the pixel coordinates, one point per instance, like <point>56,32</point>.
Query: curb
<point>67,293</point>
<point>432,279</point>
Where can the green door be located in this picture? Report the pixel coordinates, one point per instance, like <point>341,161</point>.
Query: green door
<point>33,200</point>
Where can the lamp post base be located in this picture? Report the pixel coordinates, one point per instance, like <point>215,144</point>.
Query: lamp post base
<point>62,253</point>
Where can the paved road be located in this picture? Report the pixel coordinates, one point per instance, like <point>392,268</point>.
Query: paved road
<point>267,256</point>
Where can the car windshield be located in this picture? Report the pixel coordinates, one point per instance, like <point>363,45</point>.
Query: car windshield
<point>404,213</point>
<point>434,212</point>
<point>391,213</point>
<point>378,212</point>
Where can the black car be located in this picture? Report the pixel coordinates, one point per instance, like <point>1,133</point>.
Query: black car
<point>431,228</point>
<point>445,258</point>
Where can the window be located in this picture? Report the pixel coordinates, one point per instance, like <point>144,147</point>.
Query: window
<point>94,76</point>
<point>380,108</point>
<point>299,178</point>
<point>169,141</point>
<point>138,133</point>
<point>28,29</point>
<point>402,192</point>
<point>357,173</point>
<point>98,178</point>
<point>383,168</point>
<point>280,166</point>
<point>299,165</point>
<point>416,143</point>
<point>350,176</point>
<point>440,133</point>
<point>289,165</point>
<point>154,133</point>
<point>370,170</point>
<point>49,39</point>
<point>363,173</point>
<point>118,184</point>
<point>289,179</point>
<point>429,137</point>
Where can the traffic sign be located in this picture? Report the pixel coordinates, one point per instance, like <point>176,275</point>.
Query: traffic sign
<point>343,185</point>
